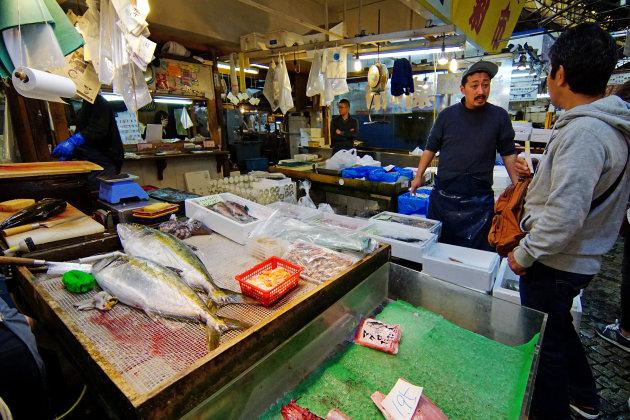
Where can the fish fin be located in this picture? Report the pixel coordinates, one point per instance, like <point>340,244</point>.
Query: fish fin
<point>212,305</point>
<point>175,270</point>
<point>193,247</point>
<point>214,337</point>
<point>234,297</point>
<point>235,324</point>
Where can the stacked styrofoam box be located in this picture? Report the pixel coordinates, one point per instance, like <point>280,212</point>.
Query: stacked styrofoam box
<point>522,130</point>
<point>230,228</point>
<point>501,290</point>
<point>310,134</point>
<point>282,38</point>
<point>320,37</point>
<point>253,41</point>
<point>541,135</point>
<point>305,157</point>
<point>501,180</point>
<point>467,267</point>
<point>412,251</point>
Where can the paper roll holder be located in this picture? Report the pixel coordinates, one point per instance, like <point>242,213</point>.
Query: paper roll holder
<point>21,75</point>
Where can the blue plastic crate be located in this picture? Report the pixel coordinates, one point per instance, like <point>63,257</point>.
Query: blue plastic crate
<point>414,204</point>
<point>256,164</point>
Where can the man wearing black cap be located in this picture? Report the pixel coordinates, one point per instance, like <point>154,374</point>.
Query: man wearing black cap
<point>468,135</point>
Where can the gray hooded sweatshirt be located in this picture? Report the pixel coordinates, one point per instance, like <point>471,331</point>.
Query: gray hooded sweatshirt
<point>583,159</point>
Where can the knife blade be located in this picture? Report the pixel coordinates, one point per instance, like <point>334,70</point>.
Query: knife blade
<point>25,228</point>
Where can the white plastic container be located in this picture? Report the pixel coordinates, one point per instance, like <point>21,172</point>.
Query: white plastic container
<point>412,251</point>
<point>430,225</point>
<point>231,229</point>
<point>506,287</point>
<point>338,220</point>
<point>467,267</point>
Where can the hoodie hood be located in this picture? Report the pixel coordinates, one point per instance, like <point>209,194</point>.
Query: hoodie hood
<point>612,110</point>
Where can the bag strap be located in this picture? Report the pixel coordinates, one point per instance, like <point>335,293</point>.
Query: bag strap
<point>599,200</point>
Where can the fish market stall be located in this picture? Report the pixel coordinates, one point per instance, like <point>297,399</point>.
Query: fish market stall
<point>325,370</point>
<point>139,366</point>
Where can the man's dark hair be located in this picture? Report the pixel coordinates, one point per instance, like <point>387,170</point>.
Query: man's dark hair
<point>159,116</point>
<point>465,78</point>
<point>588,55</point>
<point>345,101</point>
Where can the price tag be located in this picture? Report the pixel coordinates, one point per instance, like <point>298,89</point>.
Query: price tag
<point>210,200</point>
<point>402,400</point>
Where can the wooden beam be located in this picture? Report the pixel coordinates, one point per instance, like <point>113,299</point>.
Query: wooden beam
<point>58,115</point>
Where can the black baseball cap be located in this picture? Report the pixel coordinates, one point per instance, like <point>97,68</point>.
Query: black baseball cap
<point>482,66</point>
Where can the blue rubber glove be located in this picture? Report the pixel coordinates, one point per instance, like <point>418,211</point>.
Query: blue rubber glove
<point>65,149</point>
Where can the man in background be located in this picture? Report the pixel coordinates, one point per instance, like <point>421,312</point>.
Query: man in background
<point>572,213</point>
<point>344,129</point>
<point>96,140</point>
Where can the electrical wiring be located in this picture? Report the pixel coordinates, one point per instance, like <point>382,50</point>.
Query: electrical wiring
<point>73,405</point>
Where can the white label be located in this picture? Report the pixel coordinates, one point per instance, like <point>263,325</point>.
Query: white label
<point>402,400</point>
<point>210,200</point>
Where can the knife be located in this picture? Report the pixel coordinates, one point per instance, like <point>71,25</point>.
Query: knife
<point>25,228</point>
<point>53,267</point>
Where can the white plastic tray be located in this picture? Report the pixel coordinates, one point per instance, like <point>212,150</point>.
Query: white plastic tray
<point>231,229</point>
<point>412,251</point>
<point>434,226</point>
<point>467,267</point>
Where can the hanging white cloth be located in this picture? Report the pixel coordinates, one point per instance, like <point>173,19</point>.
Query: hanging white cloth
<point>284,84</point>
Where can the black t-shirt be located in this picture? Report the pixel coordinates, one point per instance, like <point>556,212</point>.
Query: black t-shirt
<point>349,131</point>
<point>468,140</point>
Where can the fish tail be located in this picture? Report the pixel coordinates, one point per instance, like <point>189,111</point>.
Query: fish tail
<point>214,335</point>
<point>235,324</point>
<point>234,297</point>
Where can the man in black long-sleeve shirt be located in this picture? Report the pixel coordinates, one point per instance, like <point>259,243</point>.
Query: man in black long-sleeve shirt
<point>343,128</point>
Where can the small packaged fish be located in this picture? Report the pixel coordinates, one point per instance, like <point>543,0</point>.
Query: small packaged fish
<point>378,335</point>
<point>320,264</point>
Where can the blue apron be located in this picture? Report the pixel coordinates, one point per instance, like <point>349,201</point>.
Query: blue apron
<point>465,206</point>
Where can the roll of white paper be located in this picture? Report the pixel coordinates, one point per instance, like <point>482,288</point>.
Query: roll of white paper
<point>42,85</point>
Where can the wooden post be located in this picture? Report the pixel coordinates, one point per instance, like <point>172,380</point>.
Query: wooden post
<point>58,114</point>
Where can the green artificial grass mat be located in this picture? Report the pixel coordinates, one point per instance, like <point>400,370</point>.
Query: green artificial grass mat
<point>466,375</point>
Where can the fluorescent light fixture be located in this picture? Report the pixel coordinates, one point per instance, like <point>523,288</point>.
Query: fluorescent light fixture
<point>112,97</point>
<point>260,66</point>
<point>542,95</point>
<point>174,101</point>
<point>227,67</point>
<point>523,75</point>
<point>393,54</point>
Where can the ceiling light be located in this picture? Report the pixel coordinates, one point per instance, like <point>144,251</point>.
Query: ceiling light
<point>174,101</point>
<point>523,75</point>
<point>542,95</point>
<point>425,84</point>
<point>522,62</point>
<point>442,59</point>
<point>112,97</point>
<point>394,54</point>
<point>453,65</point>
<point>227,67</point>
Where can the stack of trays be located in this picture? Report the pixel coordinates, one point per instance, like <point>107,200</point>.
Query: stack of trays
<point>154,213</point>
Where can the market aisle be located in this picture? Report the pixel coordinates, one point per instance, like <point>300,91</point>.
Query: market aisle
<point>610,364</point>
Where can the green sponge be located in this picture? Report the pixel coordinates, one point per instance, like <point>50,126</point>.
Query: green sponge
<point>77,281</point>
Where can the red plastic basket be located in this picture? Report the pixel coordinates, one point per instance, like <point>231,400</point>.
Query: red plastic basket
<point>267,297</point>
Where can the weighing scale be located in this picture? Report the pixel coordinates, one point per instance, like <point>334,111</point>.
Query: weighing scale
<point>117,187</point>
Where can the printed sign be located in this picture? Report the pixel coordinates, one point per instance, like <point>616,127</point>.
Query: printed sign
<point>83,75</point>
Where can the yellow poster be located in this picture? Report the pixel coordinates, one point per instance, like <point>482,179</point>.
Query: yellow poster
<point>489,23</point>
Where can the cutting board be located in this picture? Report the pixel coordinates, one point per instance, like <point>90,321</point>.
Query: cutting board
<point>80,227</point>
<point>17,170</point>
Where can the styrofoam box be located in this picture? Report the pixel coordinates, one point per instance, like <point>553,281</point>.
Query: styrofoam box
<point>387,215</point>
<point>305,157</point>
<point>310,132</point>
<point>253,41</point>
<point>501,178</point>
<point>231,229</point>
<point>282,38</point>
<point>540,135</point>
<point>338,220</point>
<point>467,267</point>
<point>502,291</point>
<point>401,249</point>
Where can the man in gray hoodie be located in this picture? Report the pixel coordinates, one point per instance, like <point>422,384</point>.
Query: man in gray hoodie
<point>573,211</point>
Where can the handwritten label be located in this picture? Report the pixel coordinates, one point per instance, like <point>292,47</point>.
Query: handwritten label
<point>210,200</point>
<point>402,400</point>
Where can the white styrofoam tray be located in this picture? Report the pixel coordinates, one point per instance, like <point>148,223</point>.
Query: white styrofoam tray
<point>472,268</point>
<point>436,225</point>
<point>507,281</point>
<point>231,229</point>
<point>346,222</point>
<point>412,251</point>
